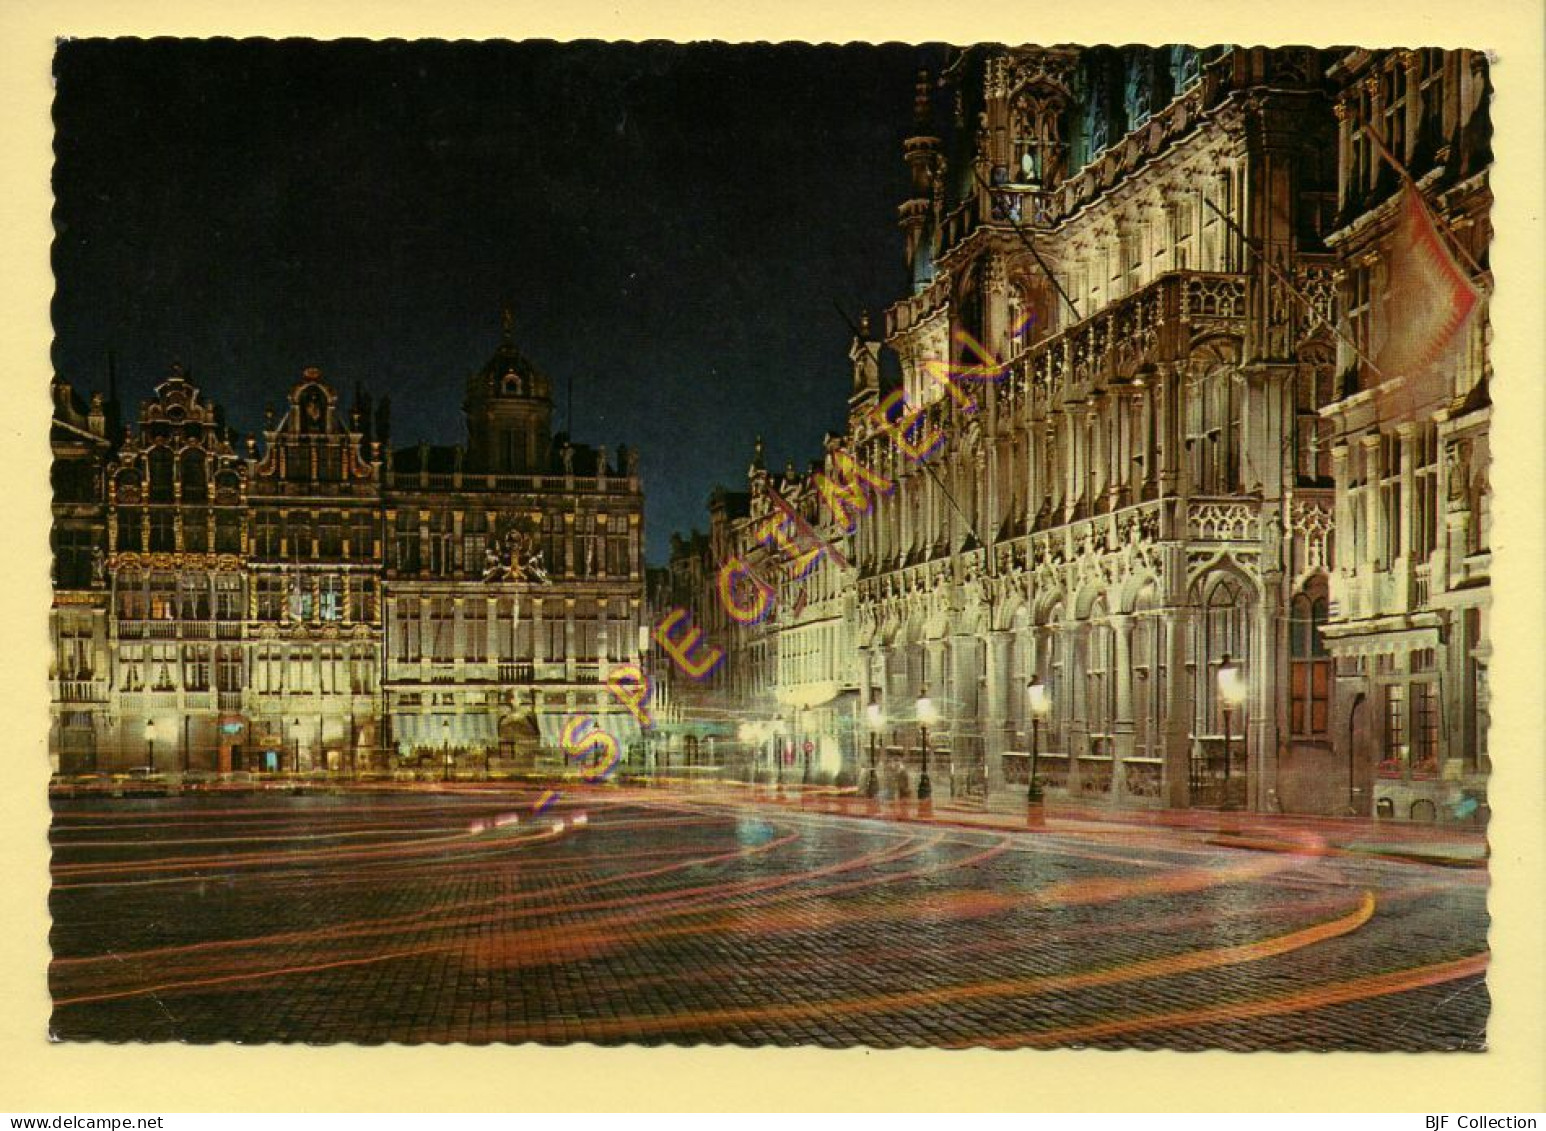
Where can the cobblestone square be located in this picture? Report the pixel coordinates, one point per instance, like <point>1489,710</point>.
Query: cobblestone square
<point>633,916</point>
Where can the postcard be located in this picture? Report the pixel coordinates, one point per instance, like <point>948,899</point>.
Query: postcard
<point>941,546</point>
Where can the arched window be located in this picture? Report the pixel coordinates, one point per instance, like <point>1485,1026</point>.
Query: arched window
<point>1149,675</point>
<point>1048,664</point>
<point>159,462</point>
<point>1223,629</point>
<point>1213,432</point>
<point>1100,671</point>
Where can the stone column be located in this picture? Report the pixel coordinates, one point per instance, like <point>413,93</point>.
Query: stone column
<point>1166,431</point>
<point>965,708</point>
<point>1074,642</point>
<point>538,641</point>
<point>1178,709</point>
<point>1122,725</point>
<point>1374,471</point>
<point>996,738</point>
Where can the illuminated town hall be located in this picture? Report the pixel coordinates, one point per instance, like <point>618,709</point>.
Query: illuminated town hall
<point>1217,531</point>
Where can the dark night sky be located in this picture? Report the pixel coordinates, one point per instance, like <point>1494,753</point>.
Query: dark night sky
<point>670,224</point>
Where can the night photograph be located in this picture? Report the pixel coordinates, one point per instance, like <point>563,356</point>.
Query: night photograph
<point>973,546</point>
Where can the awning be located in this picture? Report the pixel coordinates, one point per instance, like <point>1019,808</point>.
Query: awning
<point>445,729</point>
<point>620,725</point>
<point>805,696</point>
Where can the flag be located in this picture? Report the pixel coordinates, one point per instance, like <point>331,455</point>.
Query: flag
<point>1429,303</point>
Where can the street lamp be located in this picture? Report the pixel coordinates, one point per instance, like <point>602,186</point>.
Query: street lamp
<point>1040,704</point>
<point>295,746</point>
<point>926,717</point>
<point>445,749</point>
<point>150,746</point>
<point>805,750</point>
<point>1231,695</point>
<point>874,719</point>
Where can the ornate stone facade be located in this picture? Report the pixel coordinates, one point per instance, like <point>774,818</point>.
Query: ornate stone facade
<point>1410,589</point>
<point>321,602</point>
<point>1154,245</point>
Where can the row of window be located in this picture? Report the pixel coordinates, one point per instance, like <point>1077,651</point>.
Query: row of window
<point>442,630</point>
<point>192,530</point>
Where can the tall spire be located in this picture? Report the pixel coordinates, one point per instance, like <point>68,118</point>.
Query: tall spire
<point>923,113</point>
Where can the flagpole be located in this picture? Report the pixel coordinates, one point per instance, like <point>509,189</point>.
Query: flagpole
<point>1293,290</point>
<point>1433,217</point>
<point>802,526</point>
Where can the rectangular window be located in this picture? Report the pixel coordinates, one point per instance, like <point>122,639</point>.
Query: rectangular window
<point>409,625</point>
<point>507,613</point>
<point>228,667</point>
<point>362,536</point>
<point>271,597</point>
<point>163,527</point>
<point>554,642</point>
<point>406,543</point>
<point>196,531</point>
<point>475,629</point>
<point>228,532</point>
<point>302,599</point>
<point>228,597</point>
<point>163,596</point>
<point>163,667</point>
<point>330,462</point>
<point>474,549</point>
<point>298,530</point>
<point>361,590</point>
<point>131,671</point>
<point>330,535</point>
<point>361,669</point>
<point>265,534</point>
<point>1425,726</point>
<point>330,598</point>
<point>196,667</point>
<point>441,644</point>
<point>131,530</point>
<point>585,630</point>
<point>193,597</point>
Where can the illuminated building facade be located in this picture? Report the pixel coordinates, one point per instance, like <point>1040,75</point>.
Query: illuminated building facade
<point>322,603</point>
<point>1162,506</point>
<point>1408,633</point>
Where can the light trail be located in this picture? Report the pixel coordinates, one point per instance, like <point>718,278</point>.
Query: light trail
<point>1300,1001</point>
<point>1030,986</point>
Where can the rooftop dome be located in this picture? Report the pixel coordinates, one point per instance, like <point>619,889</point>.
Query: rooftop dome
<point>510,373</point>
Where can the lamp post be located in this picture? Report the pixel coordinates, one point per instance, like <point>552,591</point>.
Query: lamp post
<point>1232,691</point>
<point>926,717</point>
<point>150,746</point>
<point>295,746</point>
<point>1040,704</point>
<point>445,749</point>
<point>805,750</point>
<point>874,719</point>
